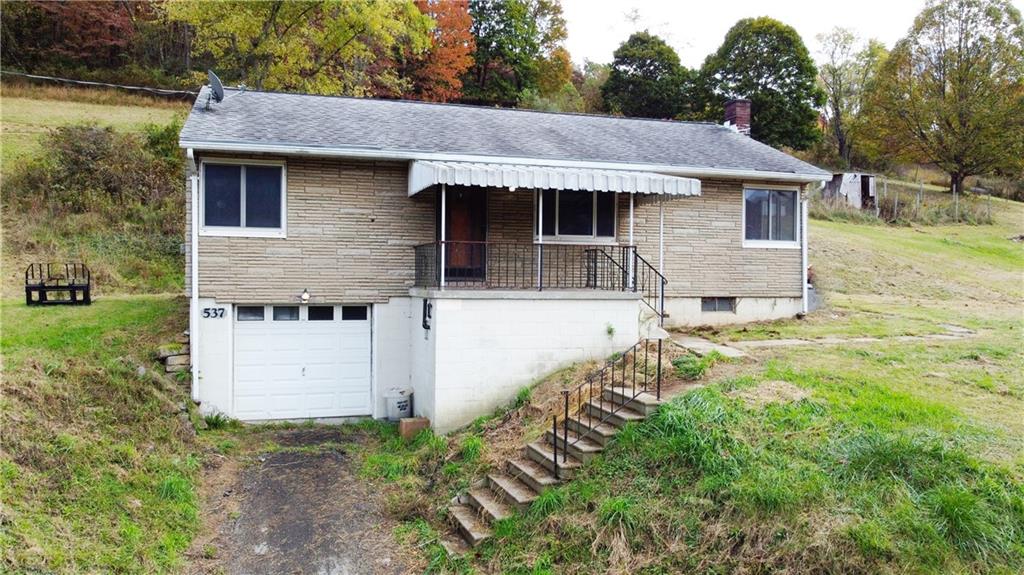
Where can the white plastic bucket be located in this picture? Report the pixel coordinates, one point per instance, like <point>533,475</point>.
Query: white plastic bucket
<point>399,403</point>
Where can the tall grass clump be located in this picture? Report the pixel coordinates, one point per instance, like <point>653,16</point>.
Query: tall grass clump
<point>693,367</point>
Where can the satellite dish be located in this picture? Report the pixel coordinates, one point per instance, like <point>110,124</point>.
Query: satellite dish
<point>216,86</point>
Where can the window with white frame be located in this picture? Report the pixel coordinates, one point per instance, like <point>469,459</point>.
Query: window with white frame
<point>573,214</point>
<point>770,215</point>
<point>243,198</point>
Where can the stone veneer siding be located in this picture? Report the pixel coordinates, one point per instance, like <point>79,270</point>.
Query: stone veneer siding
<point>704,253</point>
<point>352,228</point>
<point>351,231</point>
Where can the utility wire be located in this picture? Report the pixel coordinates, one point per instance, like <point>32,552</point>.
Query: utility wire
<point>154,91</point>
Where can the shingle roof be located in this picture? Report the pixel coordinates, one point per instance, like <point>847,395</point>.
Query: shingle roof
<point>247,118</point>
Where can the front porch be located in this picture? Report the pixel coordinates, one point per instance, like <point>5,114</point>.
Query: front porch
<point>541,228</point>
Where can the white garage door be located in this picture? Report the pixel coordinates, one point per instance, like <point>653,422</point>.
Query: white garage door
<point>301,361</point>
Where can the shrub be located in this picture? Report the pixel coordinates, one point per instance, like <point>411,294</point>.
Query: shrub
<point>90,168</point>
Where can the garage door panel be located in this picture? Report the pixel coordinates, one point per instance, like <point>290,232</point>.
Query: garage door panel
<point>300,369</point>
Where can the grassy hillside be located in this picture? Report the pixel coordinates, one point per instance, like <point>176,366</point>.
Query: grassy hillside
<point>894,457</point>
<point>29,111</point>
<point>128,251</point>
<point>96,467</point>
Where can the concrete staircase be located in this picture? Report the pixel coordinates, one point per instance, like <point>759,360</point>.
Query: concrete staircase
<point>523,478</point>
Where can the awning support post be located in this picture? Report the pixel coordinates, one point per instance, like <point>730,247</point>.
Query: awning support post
<point>632,268</point>
<point>661,235</point>
<point>444,259</point>
<point>540,238</point>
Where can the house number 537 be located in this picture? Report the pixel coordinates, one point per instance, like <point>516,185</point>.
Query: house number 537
<point>213,312</point>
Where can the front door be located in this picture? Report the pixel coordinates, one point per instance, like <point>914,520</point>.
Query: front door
<point>465,233</point>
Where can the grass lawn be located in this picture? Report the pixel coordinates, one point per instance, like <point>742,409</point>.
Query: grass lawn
<point>891,457</point>
<point>96,468</point>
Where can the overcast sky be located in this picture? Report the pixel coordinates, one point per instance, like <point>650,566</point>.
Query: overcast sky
<point>697,28</point>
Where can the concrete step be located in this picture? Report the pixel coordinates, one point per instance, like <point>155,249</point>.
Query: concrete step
<point>511,490</point>
<point>488,505</point>
<point>644,402</point>
<point>469,524</point>
<point>598,432</point>
<point>579,447</point>
<point>615,415</point>
<point>531,473</point>
<point>541,452</point>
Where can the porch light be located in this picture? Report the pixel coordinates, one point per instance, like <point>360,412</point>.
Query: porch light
<point>304,298</point>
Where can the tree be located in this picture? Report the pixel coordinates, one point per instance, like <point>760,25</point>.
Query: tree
<point>507,47</point>
<point>766,62</point>
<point>436,73</point>
<point>646,79</point>
<point>45,36</point>
<point>517,41</point>
<point>554,72</point>
<point>952,91</point>
<point>589,80</point>
<point>844,74</point>
<point>316,46</point>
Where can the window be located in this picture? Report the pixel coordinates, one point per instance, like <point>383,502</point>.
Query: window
<point>576,214</point>
<point>353,312</point>
<point>718,304</point>
<point>250,313</point>
<point>286,313</point>
<point>770,215</point>
<point>243,199</point>
<point>321,313</point>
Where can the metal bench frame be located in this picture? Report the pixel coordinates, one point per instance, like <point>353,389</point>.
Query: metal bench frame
<point>50,282</point>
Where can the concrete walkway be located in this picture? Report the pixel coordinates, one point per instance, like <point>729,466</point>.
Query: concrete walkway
<point>735,349</point>
<point>702,347</point>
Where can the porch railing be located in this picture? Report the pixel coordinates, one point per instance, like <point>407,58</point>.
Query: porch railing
<point>587,406</point>
<point>540,266</point>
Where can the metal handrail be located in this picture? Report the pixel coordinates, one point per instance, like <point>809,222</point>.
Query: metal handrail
<point>519,265</point>
<point>574,400</point>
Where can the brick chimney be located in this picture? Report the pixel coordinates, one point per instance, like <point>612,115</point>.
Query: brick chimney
<point>737,114</point>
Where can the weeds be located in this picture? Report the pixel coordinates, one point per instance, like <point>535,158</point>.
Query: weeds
<point>692,367</point>
<point>619,513</point>
<point>218,421</point>
<point>471,449</point>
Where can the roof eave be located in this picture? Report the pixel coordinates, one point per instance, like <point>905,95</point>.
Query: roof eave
<point>405,155</point>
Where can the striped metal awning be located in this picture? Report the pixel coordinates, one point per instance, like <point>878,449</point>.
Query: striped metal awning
<point>424,174</point>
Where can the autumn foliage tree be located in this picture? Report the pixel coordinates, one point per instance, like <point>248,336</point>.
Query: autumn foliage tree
<point>435,74</point>
<point>314,46</point>
<point>952,91</point>
<point>66,33</point>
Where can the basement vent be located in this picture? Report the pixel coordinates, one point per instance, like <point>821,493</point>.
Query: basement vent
<point>727,304</point>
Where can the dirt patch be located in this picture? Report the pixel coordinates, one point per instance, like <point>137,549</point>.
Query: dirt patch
<point>775,391</point>
<point>299,509</point>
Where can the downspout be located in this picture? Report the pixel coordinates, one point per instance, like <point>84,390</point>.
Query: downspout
<point>193,308</point>
<point>805,305</point>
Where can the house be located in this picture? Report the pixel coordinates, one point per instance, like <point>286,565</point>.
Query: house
<point>854,188</point>
<point>341,247</point>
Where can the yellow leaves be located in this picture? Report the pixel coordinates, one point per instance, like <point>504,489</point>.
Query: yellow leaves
<point>317,46</point>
